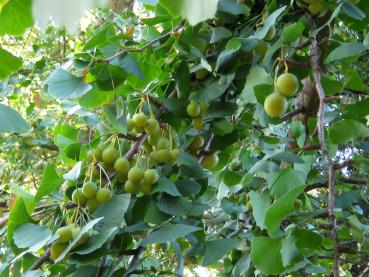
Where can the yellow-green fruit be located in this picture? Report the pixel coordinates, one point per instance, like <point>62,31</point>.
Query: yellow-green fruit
<point>345,267</point>
<point>130,187</point>
<point>275,104</point>
<point>152,126</point>
<point>140,120</point>
<point>271,33</point>
<point>104,195</point>
<point>92,205</point>
<point>162,156</point>
<point>151,176</point>
<point>287,84</point>
<point>84,237</point>
<point>153,139</point>
<point>109,155</point>
<point>146,187</point>
<point>197,124</point>
<point>193,109</point>
<point>174,154</point>
<point>135,174</point>
<point>139,130</point>
<point>234,165</point>
<point>203,107</point>
<point>208,162</point>
<point>156,246</point>
<point>197,143</point>
<point>78,197</point>
<point>65,234</point>
<point>122,165</point>
<point>56,249</point>
<point>316,7</point>
<point>201,74</point>
<point>94,155</point>
<point>261,49</point>
<point>249,205</point>
<point>163,143</point>
<point>130,124</point>
<point>89,189</point>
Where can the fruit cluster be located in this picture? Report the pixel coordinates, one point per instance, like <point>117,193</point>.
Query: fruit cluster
<point>196,111</point>
<point>275,104</point>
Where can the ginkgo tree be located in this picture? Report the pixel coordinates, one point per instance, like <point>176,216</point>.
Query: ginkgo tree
<point>225,134</point>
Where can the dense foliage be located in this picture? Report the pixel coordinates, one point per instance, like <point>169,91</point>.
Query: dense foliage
<point>224,134</point>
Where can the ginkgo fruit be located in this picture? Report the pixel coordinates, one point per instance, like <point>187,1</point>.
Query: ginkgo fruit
<point>109,155</point>
<point>146,187</point>
<point>193,109</point>
<point>130,187</point>
<point>139,120</point>
<point>56,249</point>
<point>162,156</point>
<point>122,165</point>
<point>135,174</point>
<point>287,84</point>
<point>78,197</point>
<point>89,189</point>
<point>94,155</point>
<point>104,195</point>
<point>152,126</point>
<point>151,176</point>
<point>298,204</point>
<point>197,124</point>
<point>275,104</point>
<point>210,161</point>
<point>163,143</point>
<point>92,205</point>
<point>65,233</point>
<point>197,143</point>
<point>315,7</point>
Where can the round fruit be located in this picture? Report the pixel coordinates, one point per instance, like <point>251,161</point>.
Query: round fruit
<point>130,124</point>
<point>174,154</point>
<point>92,205</point>
<point>109,155</point>
<point>65,233</point>
<point>151,176</point>
<point>56,249</point>
<point>130,187</point>
<point>139,130</point>
<point>152,126</point>
<point>122,165</point>
<point>275,104</point>
<point>316,7</point>
<point>162,156</point>
<point>78,198</point>
<point>104,195</point>
<point>261,49</point>
<point>271,33</point>
<point>197,124</point>
<point>345,267</point>
<point>140,120</point>
<point>156,246</point>
<point>135,174</point>
<point>193,109</point>
<point>249,205</point>
<point>298,204</point>
<point>201,74</point>
<point>197,143</point>
<point>89,189</point>
<point>146,187</point>
<point>287,84</point>
<point>210,161</point>
<point>153,139</point>
<point>163,143</point>
<point>94,155</point>
<point>234,165</point>
<point>203,107</point>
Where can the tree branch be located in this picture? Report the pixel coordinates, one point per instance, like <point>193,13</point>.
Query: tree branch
<point>292,114</point>
<point>331,190</point>
<point>344,164</point>
<point>44,258</point>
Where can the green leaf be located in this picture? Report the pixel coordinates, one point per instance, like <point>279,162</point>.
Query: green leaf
<point>262,91</point>
<point>167,186</point>
<point>26,196</point>
<point>177,206</point>
<point>49,182</point>
<point>168,232</point>
<point>182,78</point>
<point>266,255</point>
<point>307,239</point>
<point>220,109</point>
<point>261,33</point>
<point>28,234</point>
<point>129,64</point>
<point>346,130</point>
<point>290,253</point>
<point>233,7</point>
<point>242,265</point>
<point>358,111</point>
<point>210,92</point>
<point>353,11</point>
<point>195,11</point>
<point>221,128</point>
<point>219,33</point>
<point>96,241</point>
<point>288,157</point>
<point>189,161</point>
<point>15,17</point>
<point>216,249</point>
<point>292,32</point>
<point>298,132</point>
<point>113,212</point>
<point>353,80</point>
<point>356,228</point>
<point>188,186</point>
<point>95,98</point>
<point>227,60</point>
<point>153,215</point>
<point>330,86</point>
<point>283,181</point>
<point>102,37</point>
<point>11,121</point>
<point>9,63</point>
<point>85,229</point>
<point>280,209</point>
<point>257,76</point>
<point>175,105</point>
<point>345,50</point>
<point>260,204</point>
<point>118,121</point>
<point>63,85</point>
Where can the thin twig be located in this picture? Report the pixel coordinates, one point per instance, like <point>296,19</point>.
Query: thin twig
<point>320,125</point>
<point>44,258</point>
<point>292,114</point>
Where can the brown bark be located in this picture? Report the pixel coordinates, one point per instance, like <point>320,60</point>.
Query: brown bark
<point>118,6</point>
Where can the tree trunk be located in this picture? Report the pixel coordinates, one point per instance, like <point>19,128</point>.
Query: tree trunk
<point>118,6</point>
